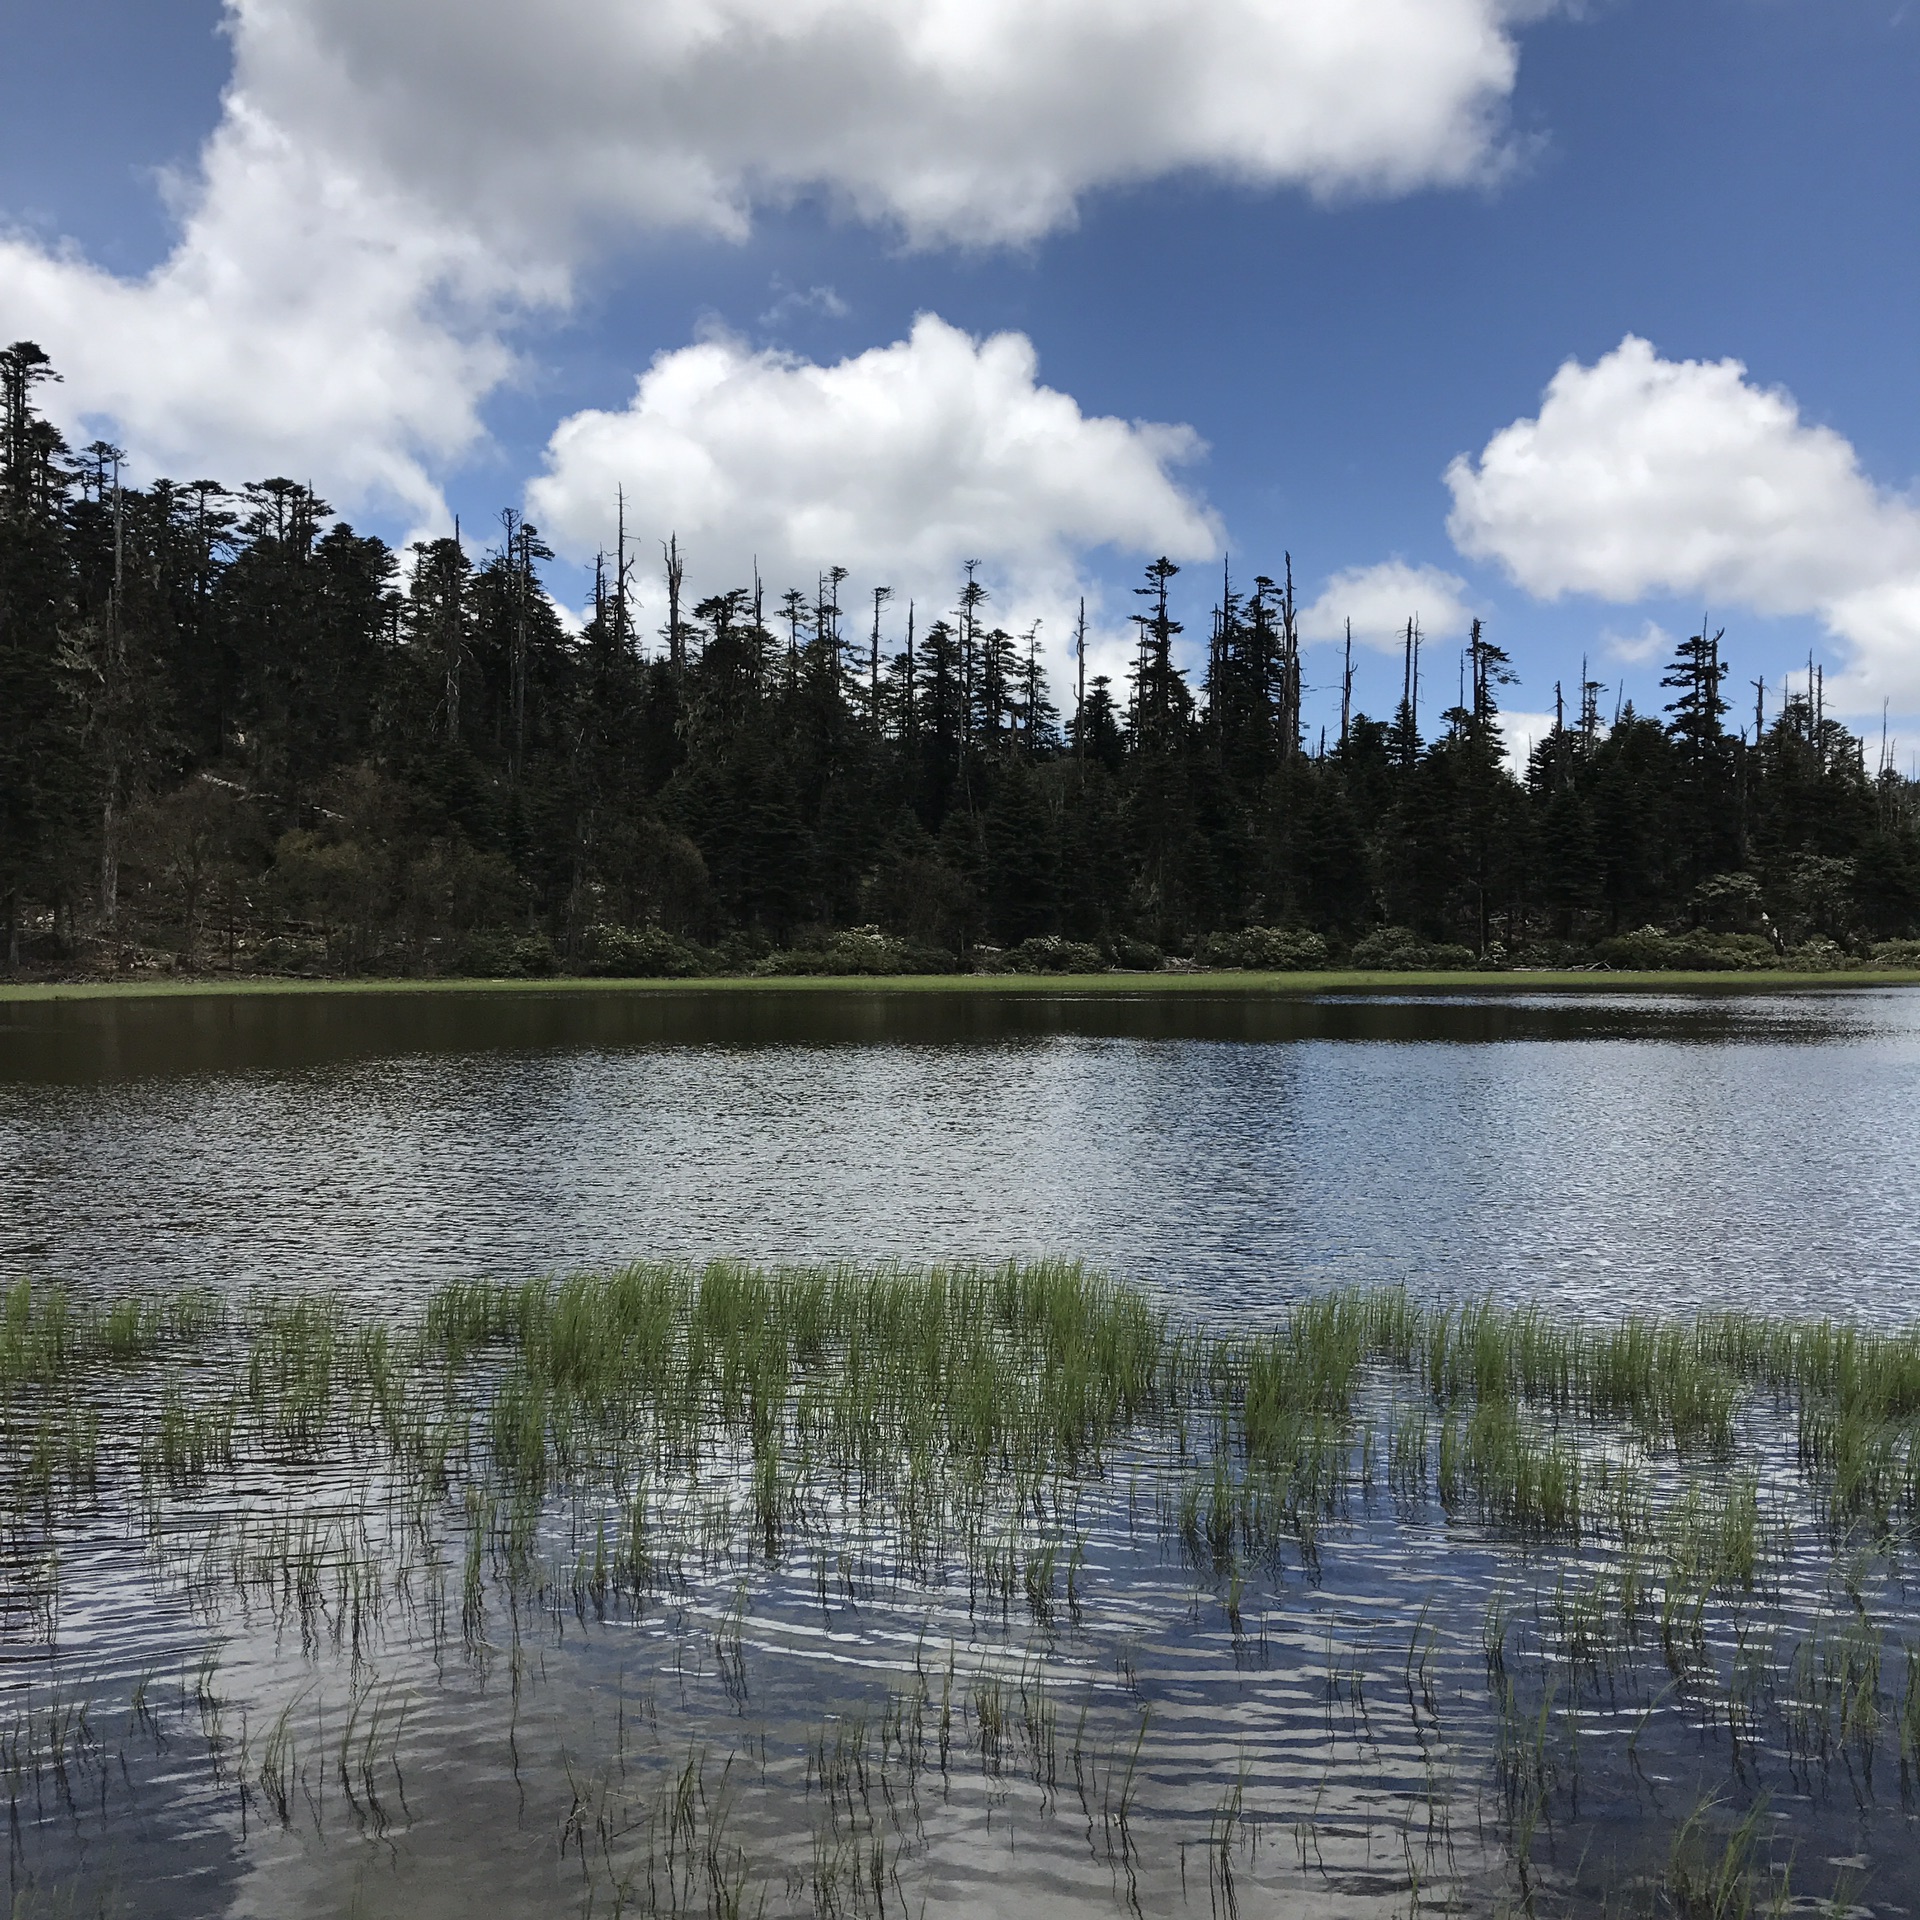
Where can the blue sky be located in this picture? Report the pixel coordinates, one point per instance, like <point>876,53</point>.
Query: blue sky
<point>1725,179</point>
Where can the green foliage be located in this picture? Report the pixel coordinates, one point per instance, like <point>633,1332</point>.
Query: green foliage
<point>1400,950</point>
<point>235,733</point>
<point>1267,950</point>
<point>1729,902</point>
<point>640,953</point>
<point>496,955</point>
<point>864,951</point>
<point>1135,956</point>
<point>1649,950</point>
<point>1048,953</point>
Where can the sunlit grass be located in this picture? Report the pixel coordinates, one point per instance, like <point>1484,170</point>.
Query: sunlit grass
<point>1222,981</point>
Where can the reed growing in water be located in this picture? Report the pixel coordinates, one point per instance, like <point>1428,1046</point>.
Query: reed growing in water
<point>594,1444</point>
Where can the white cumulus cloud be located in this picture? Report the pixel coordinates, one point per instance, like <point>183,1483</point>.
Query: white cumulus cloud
<point>900,464</point>
<point>1520,733</point>
<point>1642,476</point>
<point>1652,642</point>
<point>969,120</point>
<point>396,184</point>
<point>306,324</point>
<point>1380,600</point>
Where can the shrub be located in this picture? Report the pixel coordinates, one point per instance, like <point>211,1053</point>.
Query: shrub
<point>921,959</point>
<point>1050,954</point>
<point>1648,949</point>
<point>285,953</point>
<point>639,953</point>
<point>1135,956</point>
<point>495,955</point>
<point>1401,950</point>
<point>1897,953</point>
<point>1816,955</point>
<point>862,952</point>
<point>1728,902</point>
<point>1267,950</point>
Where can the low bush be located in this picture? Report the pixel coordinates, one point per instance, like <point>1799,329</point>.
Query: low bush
<point>1266,950</point>
<point>1135,956</point>
<point>1401,950</point>
<point>289,954</point>
<point>863,952</point>
<point>1051,954</point>
<point>1648,949</point>
<point>496,955</point>
<point>1816,954</point>
<point>640,953</point>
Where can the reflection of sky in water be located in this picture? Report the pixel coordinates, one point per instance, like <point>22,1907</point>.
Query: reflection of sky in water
<point>1620,1154</point>
<point>1640,1156</point>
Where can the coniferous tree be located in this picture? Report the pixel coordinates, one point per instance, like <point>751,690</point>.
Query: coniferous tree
<point>230,724</point>
<point>42,780</point>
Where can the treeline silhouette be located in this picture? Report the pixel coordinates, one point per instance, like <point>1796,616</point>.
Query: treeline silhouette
<point>235,732</point>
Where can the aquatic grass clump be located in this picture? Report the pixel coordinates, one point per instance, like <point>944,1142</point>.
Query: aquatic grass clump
<point>39,1335</point>
<point>466,1315</point>
<point>47,1335</point>
<point>58,1451</point>
<point>1002,1450</point>
<point>952,1393</point>
<point>1032,1368</point>
<point>189,1440</point>
<point>1517,1478</point>
<point>297,1350</point>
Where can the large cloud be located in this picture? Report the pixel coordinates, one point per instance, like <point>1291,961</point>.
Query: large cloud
<point>1380,600</point>
<point>1642,476</point>
<point>396,181</point>
<point>971,120</point>
<point>899,464</point>
<point>304,324</point>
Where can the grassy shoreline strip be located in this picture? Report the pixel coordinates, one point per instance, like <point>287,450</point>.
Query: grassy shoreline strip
<point>1022,986</point>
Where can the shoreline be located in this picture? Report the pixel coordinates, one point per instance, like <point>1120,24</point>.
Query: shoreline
<point>1078,986</point>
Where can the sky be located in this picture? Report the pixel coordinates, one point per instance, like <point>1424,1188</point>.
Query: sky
<point>1587,319</point>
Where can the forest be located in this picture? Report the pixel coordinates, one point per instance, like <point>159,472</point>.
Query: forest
<point>235,734</point>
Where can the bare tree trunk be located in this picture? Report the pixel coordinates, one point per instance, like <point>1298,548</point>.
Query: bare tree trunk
<point>676,572</point>
<point>1080,698</point>
<point>110,855</point>
<point>113,692</point>
<point>1346,690</point>
<point>452,638</point>
<point>880,596</point>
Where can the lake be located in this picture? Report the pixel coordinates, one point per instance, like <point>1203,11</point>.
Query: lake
<point>1604,1151</point>
<point>341,1572</point>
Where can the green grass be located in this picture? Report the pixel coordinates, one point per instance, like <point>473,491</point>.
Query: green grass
<point>947,1404</point>
<point>1021,985</point>
<point>1663,1495</point>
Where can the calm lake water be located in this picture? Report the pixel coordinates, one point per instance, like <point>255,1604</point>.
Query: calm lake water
<point>319,1678</point>
<point>1605,1151</point>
